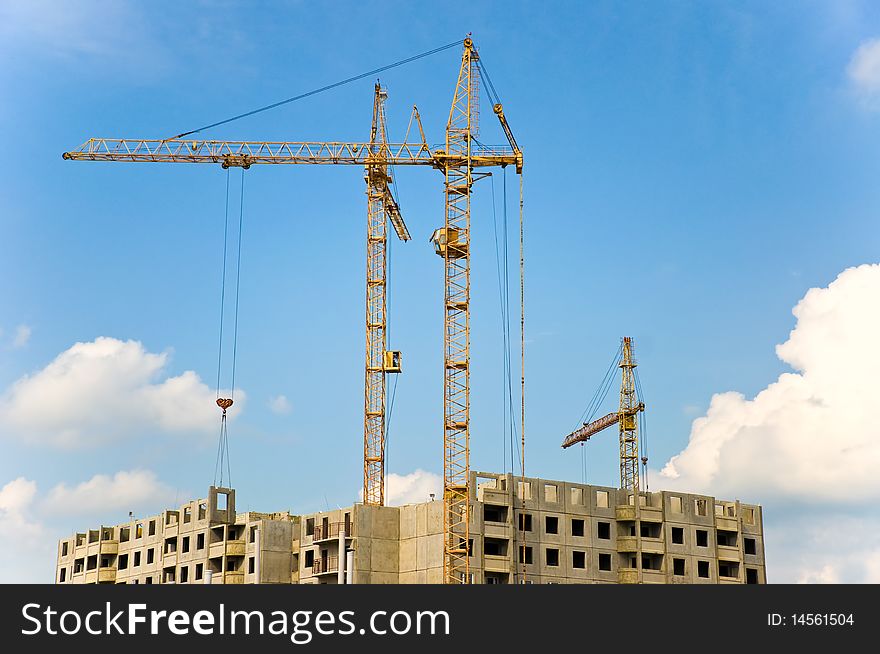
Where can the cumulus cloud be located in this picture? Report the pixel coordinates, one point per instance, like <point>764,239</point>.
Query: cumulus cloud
<point>31,525</point>
<point>863,71</point>
<point>129,490</point>
<point>279,405</point>
<point>27,549</point>
<point>22,336</point>
<point>812,434</point>
<point>104,390</point>
<point>412,488</point>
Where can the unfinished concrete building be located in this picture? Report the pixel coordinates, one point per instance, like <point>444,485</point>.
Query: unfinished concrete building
<point>522,531</point>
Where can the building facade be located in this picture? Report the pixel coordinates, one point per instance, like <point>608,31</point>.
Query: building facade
<point>522,530</point>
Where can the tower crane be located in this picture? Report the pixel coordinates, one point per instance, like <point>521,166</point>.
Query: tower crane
<point>457,161</point>
<point>626,419</point>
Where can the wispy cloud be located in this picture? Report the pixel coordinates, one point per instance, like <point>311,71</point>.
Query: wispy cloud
<point>280,405</point>
<point>22,336</point>
<point>863,72</point>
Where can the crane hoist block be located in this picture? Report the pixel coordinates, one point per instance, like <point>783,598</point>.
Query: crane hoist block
<point>392,361</point>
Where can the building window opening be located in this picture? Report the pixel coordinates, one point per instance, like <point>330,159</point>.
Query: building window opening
<point>702,538</point>
<point>577,527</point>
<point>551,524</point>
<point>603,530</point>
<point>578,560</point>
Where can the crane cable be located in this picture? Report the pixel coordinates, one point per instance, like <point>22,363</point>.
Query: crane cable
<point>348,80</point>
<point>643,429</point>
<point>223,402</point>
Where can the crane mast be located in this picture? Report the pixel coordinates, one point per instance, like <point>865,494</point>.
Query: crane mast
<point>460,130</point>
<point>628,425</point>
<point>382,209</point>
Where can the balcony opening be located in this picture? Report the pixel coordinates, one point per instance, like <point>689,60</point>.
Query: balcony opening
<point>234,563</point>
<point>726,538</point>
<point>552,557</point>
<point>495,546</point>
<point>217,535</point>
<point>578,560</point>
<point>652,562</point>
<point>171,517</point>
<point>525,522</point>
<point>703,569</point>
<point>577,527</point>
<point>497,578</point>
<point>604,561</point>
<point>651,529</point>
<point>234,533</point>
<point>525,555</point>
<point>702,538</point>
<point>494,513</point>
<point>168,576</point>
<point>751,576</point>
<point>78,566</point>
<point>678,535</point>
<point>551,524</point>
<point>106,562</point>
<point>92,562</point>
<point>171,546</point>
<point>603,530</point>
<point>215,565</point>
<point>678,567</point>
<point>728,569</point>
<point>93,535</point>
<point>750,546</point>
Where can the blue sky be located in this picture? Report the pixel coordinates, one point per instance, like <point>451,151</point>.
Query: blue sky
<point>691,170</point>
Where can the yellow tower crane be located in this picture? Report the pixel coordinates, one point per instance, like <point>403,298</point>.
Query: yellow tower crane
<point>626,419</point>
<point>462,154</point>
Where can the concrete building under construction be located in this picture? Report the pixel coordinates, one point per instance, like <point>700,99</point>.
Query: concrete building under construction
<point>522,531</point>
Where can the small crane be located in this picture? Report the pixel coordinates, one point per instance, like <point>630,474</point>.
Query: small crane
<point>625,417</point>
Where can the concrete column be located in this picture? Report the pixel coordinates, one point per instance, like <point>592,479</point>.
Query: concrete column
<point>257,556</point>
<point>340,557</point>
<point>349,566</point>
<point>208,575</point>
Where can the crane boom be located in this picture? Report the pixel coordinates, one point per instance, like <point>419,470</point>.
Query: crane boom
<point>248,153</point>
<point>590,428</point>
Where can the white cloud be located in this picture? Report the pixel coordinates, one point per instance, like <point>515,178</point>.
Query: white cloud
<point>412,488</point>
<point>128,490</point>
<point>280,405</point>
<point>823,547</point>
<point>27,549</point>
<point>22,336</point>
<point>30,525</point>
<point>863,71</point>
<point>810,435</point>
<point>105,390</point>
